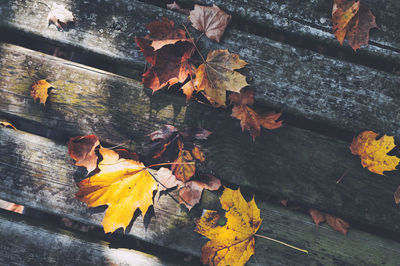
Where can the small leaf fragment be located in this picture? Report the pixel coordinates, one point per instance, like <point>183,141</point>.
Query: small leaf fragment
<point>373,153</point>
<point>175,7</point>
<point>82,150</point>
<point>396,195</point>
<point>210,20</point>
<point>233,243</point>
<point>6,124</point>
<point>39,90</point>
<point>60,16</point>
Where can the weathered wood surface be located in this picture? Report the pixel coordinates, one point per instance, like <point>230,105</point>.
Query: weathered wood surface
<point>312,19</point>
<point>26,242</point>
<point>36,172</point>
<point>298,81</point>
<point>288,163</point>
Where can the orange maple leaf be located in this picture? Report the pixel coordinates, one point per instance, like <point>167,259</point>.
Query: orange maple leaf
<point>210,20</point>
<point>123,184</point>
<point>373,152</point>
<point>250,119</point>
<point>39,90</point>
<point>216,76</point>
<point>354,20</point>
<point>232,243</point>
<point>82,150</point>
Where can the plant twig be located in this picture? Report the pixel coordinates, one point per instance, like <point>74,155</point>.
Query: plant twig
<point>340,179</point>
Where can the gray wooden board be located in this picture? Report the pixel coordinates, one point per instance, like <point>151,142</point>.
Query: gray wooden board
<point>26,242</point>
<point>288,162</point>
<point>313,19</point>
<point>298,81</point>
<point>36,172</point>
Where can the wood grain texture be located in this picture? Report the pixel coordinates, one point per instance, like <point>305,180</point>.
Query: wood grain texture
<point>26,242</point>
<point>28,164</point>
<point>298,81</point>
<point>312,19</point>
<point>288,162</point>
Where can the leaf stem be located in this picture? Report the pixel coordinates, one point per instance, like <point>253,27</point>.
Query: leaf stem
<point>282,243</point>
<point>194,44</point>
<point>345,173</point>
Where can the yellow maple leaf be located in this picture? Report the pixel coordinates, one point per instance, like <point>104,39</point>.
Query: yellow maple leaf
<point>124,185</point>
<point>217,75</point>
<point>39,90</point>
<point>373,153</point>
<point>232,243</point>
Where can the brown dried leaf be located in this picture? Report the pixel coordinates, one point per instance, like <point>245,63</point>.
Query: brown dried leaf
<point>352,19</point>
<point>210,20</point>
<point>336,223</point>
<point>396,195</point>
<point>163,33</point>
<point>39,90</point>
<point>166,179</point>
<point>82,150</point>
<point>190,192</point>
<point>217,76</point>
<point>175,7</point>
<point>170,63</point>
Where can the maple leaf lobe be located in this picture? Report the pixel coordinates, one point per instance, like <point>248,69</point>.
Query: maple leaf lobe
<point>163,33</point>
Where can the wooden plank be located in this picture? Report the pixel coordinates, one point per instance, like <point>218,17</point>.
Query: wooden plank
<point>36,172</point>
<point>313,20</point>
<point>298,81</point>
<point>288,163</point>
<point>26,242</point>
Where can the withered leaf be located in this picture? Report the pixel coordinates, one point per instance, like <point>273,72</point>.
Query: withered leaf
<point>336,223</point>
<point>217,76</point>
<point>396,195</point>
<point>232,243</point>
<point>82,150</point>
<point>39,90</point>
<point>183,167</point>
<point>175,7</point>
<point>163,33</point>
<point>189,192</point>
<point>210,20</point>
<point>373,153</point>
<point>352,19</point>
<point>124,185</point>
<point>60,16</point>
<point>250,119</point>
<point>170,63</point>
<point>5,123</point>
